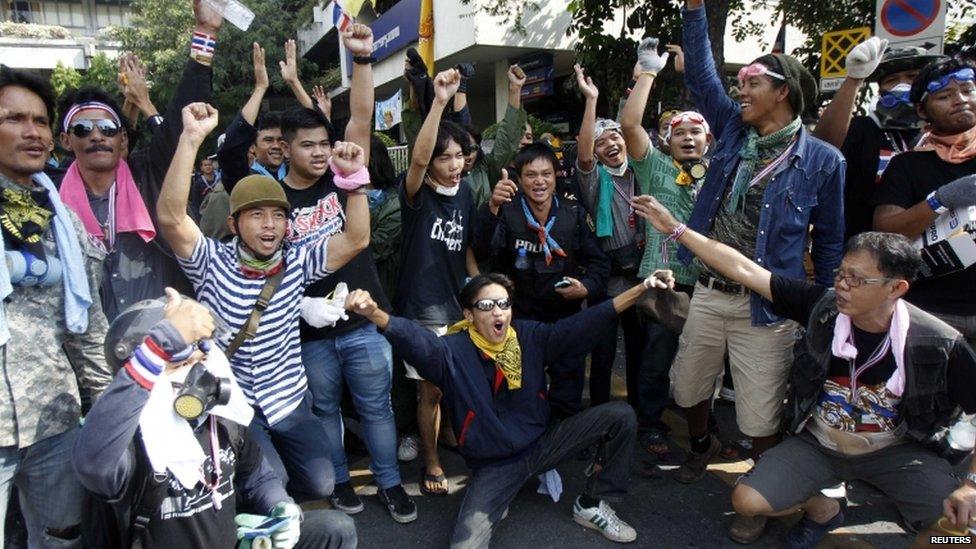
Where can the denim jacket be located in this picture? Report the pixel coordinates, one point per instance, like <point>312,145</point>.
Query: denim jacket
<point>806,190</point>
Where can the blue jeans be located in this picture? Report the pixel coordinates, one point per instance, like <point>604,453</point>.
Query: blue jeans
<point>297,449</point>
<point>50,494</point>
<point>363,359</point>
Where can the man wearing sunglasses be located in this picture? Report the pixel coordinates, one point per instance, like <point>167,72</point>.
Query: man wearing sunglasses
<point>891,126</point>
<point>492,371</point>
<point>113,190</point>
<point>768,181</point>
<point>938,176</point>
<point>872,378</point>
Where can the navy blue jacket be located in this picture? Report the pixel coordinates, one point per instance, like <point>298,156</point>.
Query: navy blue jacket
<point>494,424</point>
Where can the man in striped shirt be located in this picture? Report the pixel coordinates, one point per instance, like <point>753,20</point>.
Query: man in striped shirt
<point>229,277</point>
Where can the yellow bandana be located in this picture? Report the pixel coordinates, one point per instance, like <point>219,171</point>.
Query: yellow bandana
<point>683,178</point>
<point>507,354</point>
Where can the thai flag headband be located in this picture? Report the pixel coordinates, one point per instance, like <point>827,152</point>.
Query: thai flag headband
<point>95,105</point>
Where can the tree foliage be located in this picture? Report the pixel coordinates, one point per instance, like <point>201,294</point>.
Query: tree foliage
<point>101,73</point>
<point>159,33</point>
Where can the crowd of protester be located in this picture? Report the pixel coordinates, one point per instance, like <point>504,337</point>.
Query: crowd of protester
<point>183,331</point>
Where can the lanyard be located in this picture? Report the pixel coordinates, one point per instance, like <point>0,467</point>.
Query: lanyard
<point>772,165</point>
<point>110,225</point>
<point>215,457</point>
<point>876,357</point>
<point>898,142</point>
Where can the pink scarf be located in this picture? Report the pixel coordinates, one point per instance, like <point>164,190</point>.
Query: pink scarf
<point>130,211</point>
<point>898,332</point>
<point>954,149</point>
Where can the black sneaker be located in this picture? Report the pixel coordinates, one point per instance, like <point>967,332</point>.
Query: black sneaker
<point>398,503</point>
<point>344,499</point>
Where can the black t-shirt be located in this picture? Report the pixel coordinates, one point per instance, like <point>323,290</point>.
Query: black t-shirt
<point>795,299</point>
<point>908,180</point>
<point>316,212</point>
<point>436,236</point>
<point>868,150</point>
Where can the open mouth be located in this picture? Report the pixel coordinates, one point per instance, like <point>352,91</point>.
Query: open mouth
<point>688,149</point>
<point>499,327</point>
<point>540,192</point>
<point>456,178</point>
<point>268,239</point>
<point>613,153</point>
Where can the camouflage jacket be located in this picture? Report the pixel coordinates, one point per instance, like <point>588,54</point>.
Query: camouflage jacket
<point>49,371</point>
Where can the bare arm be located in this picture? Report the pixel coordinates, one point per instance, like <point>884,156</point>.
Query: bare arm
<point>178,228</point>
<point>516,81</point>
<point>359,41</point>
<point>911,222</point>
<point>716,255</point>
<point>289,73</point>
<point>348,158</point>
<point>584,144</point>
<point>836,118</point>
<point>630,121</point>
<point>445,85</point>
<point>253,106</point>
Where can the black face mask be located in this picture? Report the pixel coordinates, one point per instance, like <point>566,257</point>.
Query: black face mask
<point>900,117</point>
<point>200,392</point>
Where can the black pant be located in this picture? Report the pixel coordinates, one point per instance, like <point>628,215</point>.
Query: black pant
<point>601,361</point>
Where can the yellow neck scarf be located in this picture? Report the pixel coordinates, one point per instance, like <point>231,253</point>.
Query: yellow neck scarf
<point>507,354</point>
<point>683,177</point>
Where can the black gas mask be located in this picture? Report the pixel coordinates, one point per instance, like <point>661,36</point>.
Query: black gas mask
<point>895,111</point>
<point>200,392</point>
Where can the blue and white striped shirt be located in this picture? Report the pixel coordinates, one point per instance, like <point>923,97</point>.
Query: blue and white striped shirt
<point>268,367</point>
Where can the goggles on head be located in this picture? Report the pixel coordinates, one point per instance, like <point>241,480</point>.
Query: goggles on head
<point>84,127</point>
<point>757,69</point>
<point>965,74</point>
<point>686,116</point>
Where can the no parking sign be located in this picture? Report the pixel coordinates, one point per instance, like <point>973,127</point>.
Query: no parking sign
<point>912,23</point>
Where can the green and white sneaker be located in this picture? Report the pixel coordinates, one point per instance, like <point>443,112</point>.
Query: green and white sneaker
<point>603,519</point>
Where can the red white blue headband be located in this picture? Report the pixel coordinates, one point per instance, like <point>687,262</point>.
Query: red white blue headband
<point>89,105</point>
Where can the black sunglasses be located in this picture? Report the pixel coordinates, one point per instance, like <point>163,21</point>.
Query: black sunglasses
<point>84,128</point>
<point>489,304</point>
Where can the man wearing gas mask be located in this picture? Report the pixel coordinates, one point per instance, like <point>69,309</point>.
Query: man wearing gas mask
<point>891,126</point>
<point>167,451</point>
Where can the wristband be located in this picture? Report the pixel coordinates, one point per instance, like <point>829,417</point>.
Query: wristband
<point>934,203</point>
<point>202,48</point>
<point>349,182</point>
<point>673,237</point>
<point>147,363</point>
<point>364,59</point>
<point>652,74</point>
<point>155,121</point>
<point>971,477</point>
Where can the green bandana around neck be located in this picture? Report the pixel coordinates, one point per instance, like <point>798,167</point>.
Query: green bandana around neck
<point>255,264</point>
<point>756,153</point>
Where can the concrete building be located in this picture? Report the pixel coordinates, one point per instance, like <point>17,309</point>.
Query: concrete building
<point>36,34</point>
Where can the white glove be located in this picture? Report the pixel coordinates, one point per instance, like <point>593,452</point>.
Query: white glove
<point>320,312</point>
<point>865,57</point>
<point>648,58</point>
<point>287,536</point>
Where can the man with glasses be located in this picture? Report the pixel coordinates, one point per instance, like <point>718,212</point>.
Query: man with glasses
<point>872,378</point>
<point>492,371</point>
<point>938,176</point>
<point>114,190</point>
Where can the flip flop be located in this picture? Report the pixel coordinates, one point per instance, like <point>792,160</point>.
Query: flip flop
<point>439,479</point>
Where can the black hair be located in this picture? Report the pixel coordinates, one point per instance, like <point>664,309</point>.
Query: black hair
<point>532,152</point>
<point>473,131</point>
<point>84,95</point>
<point>268,121</point>
<point>301,118</point>
<point>41,87</point>
<point>471,289</point>
<point>449,131</point>
<point>894,253</point>
<point>934,71</point>
<point>382,173</point>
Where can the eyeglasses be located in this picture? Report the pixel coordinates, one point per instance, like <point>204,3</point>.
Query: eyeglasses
<point>84,128</point>
<point>757,69</point>
<point>965,74</point>
<point>854,281</point>
<point>489,304</point>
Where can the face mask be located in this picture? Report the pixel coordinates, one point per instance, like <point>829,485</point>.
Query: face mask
<point>446,191</point>
<point>619,171</point>
<point>895,111</point>
<point>200,392</point>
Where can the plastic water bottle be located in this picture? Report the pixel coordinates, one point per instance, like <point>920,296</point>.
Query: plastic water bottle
<point>961,438</point>
<point>522,261</point>
<point>234,12</point>
<point>27,270</point>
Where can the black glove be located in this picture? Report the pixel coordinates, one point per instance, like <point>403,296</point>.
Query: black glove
<point>960,193</point>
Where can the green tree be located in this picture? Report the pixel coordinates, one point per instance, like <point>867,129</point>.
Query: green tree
<point>102,73</point>
<point>159,33</point>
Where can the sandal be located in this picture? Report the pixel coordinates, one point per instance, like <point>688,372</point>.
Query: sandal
<point>440,480</point>
<point>657,446</point>
<point>745,529</point>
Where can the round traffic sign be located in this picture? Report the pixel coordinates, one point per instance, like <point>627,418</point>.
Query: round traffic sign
<point>909,17</point>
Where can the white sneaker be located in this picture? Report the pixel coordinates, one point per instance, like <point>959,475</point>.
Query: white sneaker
<point>407,451</point>
<point>604,520</point>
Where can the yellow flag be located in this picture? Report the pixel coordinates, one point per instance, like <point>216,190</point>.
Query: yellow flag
<point>426,31</point>
<point>353,7</point>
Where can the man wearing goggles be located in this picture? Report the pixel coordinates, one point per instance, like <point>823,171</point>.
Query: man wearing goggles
<point>492,371</point>
<point>769,181</point>
<point>891,126</point>
<point>113,190</point>
<point>938,176</point>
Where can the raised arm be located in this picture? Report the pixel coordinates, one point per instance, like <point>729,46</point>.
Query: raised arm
<point>178,228</point>
<point>701,77</point>
<point>510,129</point>
<point>289,73</point>
<point>445,84</point>
<point>348,159</point>
<point>836,118</point>
<point>716,255</point>
<point>322,101</point>
<point>250,110</point>
<point>132,79</point>
<point>358,39</point>
<point>584,145</point>
<point>649,63</point>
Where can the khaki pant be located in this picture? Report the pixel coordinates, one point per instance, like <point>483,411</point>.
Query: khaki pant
<point>759,356</point>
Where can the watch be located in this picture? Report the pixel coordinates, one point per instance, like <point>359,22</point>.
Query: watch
<point>364,59</point>
<point>934,203</point>
<point>971,477</point>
